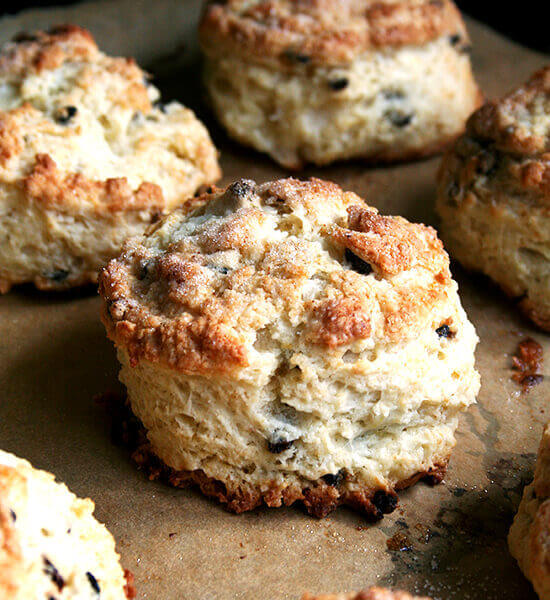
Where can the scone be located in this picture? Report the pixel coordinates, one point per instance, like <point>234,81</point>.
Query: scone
<point>51,546</point>
<point>315,81</point>
<point>88,157</point>
<point>374,593</point>
<point>529,538</point>
<point>286,342</point>
<point>494,196</point>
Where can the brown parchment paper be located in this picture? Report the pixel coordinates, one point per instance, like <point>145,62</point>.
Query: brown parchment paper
<point>54,358</point>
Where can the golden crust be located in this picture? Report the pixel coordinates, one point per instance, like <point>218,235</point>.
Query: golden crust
<point>48,187</point>
<point>10,551</point>
<point>46,50</point>
<point>166,301</point>
<point>329,32</point>
<point>530,534</point>
<point>32,54</point>
<point>373,593</point>
<point>510,122</point>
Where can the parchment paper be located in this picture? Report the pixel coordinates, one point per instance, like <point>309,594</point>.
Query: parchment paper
<point>54,358</point>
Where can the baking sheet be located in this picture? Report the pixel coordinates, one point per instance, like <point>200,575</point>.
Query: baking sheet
<point>54,358</point>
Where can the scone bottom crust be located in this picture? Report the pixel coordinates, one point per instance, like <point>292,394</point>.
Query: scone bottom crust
<point>319,497</point>
<point>372,593</point>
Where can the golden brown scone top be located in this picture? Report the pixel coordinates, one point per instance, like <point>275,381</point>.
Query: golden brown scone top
<point>374,593</point>
<point>324,31</point>
<point>36,53</point>
<point>505,150</point>
<point>518,123</point>
<point>303,258</point>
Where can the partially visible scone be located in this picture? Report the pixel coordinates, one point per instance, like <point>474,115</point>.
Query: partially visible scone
<point>51,546</point>
<point>314,81</point>
<point>494,195</point>
<point>88,157</point>
<point>286,342</point>
<point>373,593</point>
<point>529,538</point>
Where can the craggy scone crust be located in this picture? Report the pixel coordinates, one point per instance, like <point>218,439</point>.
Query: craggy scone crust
<point>168,302</point>
<point>285,342</point>
<point>529,538</point>
<point>324,32</point>
<point>494,195</point>
<point>373,593</point>
<point>51,546</point>
<point>87,157</point>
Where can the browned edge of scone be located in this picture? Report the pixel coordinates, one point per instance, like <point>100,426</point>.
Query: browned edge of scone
<point>319,497</point>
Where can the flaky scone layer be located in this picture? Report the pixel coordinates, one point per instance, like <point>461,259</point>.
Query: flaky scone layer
<point>87,157</point>
<point>494,195</point>
<point>285,332</point>
<point>529,538</point>
<point>51,546</point>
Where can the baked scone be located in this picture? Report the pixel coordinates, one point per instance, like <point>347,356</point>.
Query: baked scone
<point>51,546</point>
<point>314,81</point>
<point>286,342</point>
<point>88,157</point>
<point>373,593</point>
<point>529,538</point>
<point>494,196</point>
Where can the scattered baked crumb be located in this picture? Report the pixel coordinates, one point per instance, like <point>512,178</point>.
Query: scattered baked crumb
<point>399,542</point>
<point>527,362</point>
<point>129,588</point>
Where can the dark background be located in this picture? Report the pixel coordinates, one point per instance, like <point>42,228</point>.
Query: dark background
<point>525,22</point>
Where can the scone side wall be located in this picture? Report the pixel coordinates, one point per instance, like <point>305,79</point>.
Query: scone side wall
<point>244,470</point>
<point>286,332</point>
<point>380,107</point>
<point>529,534</point>
<point>494,197</point>
<point>50,540</point>
<point>323,33</point>
<point>88,157</point>
<point>319,497</point>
